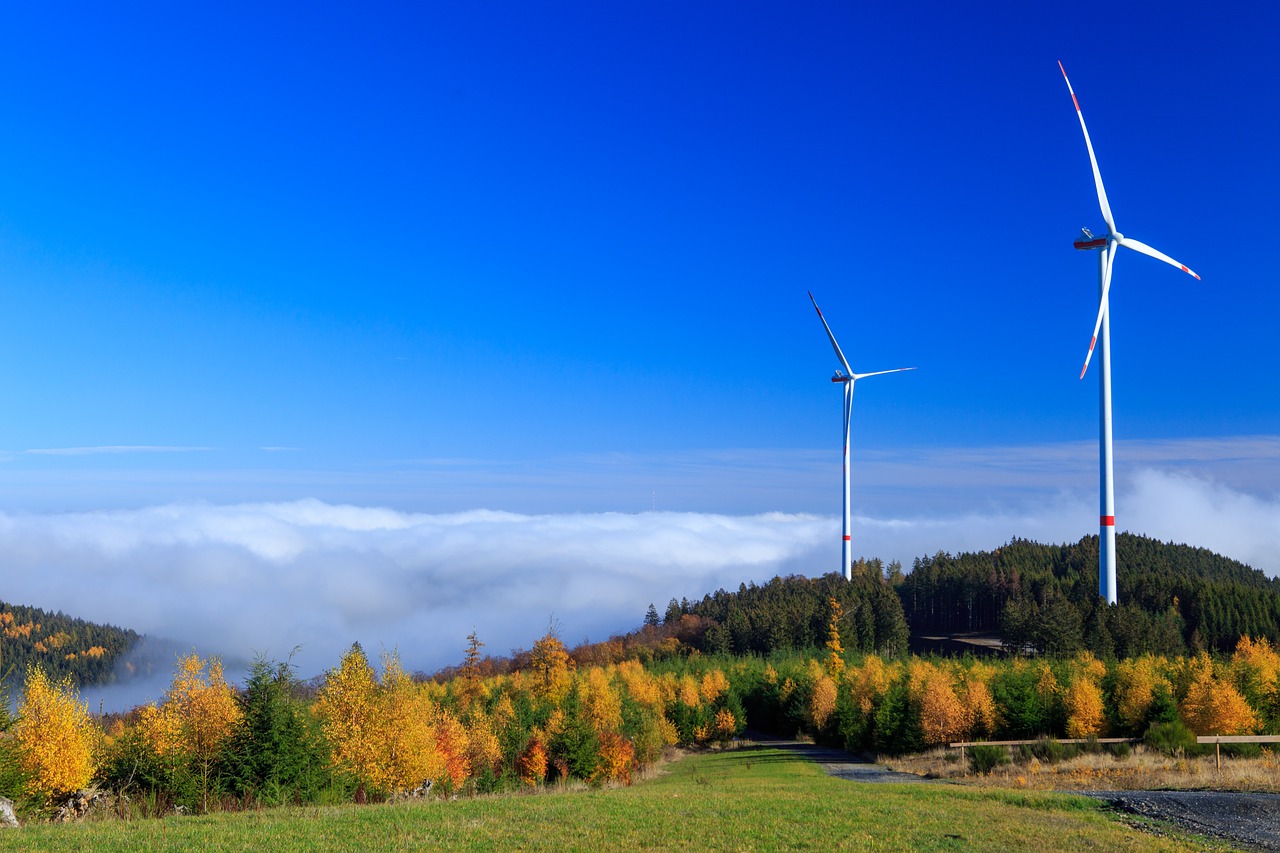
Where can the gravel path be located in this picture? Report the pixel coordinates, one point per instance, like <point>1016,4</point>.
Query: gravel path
<point>1251,821</point>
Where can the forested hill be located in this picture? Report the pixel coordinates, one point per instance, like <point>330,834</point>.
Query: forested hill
<point>795,613</point>
<point>60,644</point>
<point>1173,598</point>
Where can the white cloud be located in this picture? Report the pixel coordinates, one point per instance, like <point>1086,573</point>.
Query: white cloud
<point>114,449</point>
<point>240,578</point>
<point>1181,508</point>
<point>251,578</point>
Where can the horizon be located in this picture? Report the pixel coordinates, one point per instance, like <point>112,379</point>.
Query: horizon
<point>425,320</point>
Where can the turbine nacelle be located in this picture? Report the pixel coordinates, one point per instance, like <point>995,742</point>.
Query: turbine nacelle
<point>840,377</point>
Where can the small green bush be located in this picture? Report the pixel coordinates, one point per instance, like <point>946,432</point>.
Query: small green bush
<point>1050,751</point>
<point>1120,751</point>
<point>984,759</point>
<point>1173,739</point>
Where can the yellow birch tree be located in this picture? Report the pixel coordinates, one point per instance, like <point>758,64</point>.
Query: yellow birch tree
<point>55,736</point>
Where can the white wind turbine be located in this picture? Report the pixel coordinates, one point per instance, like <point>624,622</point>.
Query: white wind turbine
<point>847,377</point>
<point>1106,258</point>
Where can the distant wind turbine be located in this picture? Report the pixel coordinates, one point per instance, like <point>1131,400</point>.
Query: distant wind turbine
<point>847,377</point>
<point>1106,258</point>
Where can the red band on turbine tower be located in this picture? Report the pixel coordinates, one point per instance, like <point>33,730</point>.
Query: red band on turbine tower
<point>1107,520</point>
<point>846,538</point>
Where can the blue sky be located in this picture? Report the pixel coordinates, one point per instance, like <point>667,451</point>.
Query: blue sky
<point>552,261</point>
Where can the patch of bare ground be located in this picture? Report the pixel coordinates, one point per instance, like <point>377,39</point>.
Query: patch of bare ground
<point>1140,770</point>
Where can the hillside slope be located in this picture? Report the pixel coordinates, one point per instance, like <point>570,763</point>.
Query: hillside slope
<point>62,645</point>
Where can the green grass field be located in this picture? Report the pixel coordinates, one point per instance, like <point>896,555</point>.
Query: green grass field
<point>747,799</point>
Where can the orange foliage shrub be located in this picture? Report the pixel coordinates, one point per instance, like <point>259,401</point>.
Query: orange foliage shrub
<point>822,701</point>
<point>726,724</point>
<point>617,759</point>
<point>943,718</point>
<point>641,686</point>
<point>532,764</point>
<point>979,706</point>
<point>452,751</point>
<point>714,684</point>
<point>687,691</point>
<point>1083,699</point>
<point>600,700</point>
<point>1213,706</point>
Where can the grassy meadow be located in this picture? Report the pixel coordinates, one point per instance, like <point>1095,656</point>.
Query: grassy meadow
<point>738,799</point>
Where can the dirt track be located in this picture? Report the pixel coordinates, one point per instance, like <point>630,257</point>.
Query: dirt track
<point>1251,821</point>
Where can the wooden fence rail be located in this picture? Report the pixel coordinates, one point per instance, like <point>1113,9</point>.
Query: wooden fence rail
<point>962,744</point>
<point>1218,740</point>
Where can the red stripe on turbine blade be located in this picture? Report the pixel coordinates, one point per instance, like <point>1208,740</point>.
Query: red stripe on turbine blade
<point>1074,101</point>
<point>1107,520</point>
<point>847,538</point>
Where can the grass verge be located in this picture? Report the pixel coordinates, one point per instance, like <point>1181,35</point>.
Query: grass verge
<point>747,799</point>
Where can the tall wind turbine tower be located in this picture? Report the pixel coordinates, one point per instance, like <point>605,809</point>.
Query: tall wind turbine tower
<point>1107,253</point>
<point>846,377</point>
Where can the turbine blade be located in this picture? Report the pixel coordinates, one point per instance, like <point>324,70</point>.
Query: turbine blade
<point>835,346</point>
<point>1093,160</point>
<point>1102,307</point>
<point>857,376</point>
<point>1139,246</point>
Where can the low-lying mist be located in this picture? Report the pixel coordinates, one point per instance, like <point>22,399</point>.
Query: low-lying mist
<point>270,578</point>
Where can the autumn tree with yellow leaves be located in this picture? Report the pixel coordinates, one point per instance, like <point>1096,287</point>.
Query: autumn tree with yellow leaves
<point>386,733</point>
<point>835,651</point>
<point>551,665</point>
<point>198,715</point>
<point>55,736</point>
<point>1212,705</point>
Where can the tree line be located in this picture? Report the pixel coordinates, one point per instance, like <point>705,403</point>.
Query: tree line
<point>368,733</point>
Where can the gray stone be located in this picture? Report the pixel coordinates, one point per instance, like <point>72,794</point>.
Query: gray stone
<point>7,816</point>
